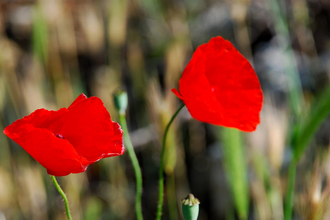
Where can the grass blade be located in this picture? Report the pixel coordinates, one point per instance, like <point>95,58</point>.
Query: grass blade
<point>309,126</point>
<point>235,165</point>
<point>40,35</point>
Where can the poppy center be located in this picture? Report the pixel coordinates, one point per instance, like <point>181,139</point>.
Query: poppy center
<point>59,136</point>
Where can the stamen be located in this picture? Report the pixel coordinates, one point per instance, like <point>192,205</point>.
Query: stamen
<point>59,136</point>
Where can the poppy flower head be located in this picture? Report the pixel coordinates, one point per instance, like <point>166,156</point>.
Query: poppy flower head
<point>68,140</point>
<point>220,87</point>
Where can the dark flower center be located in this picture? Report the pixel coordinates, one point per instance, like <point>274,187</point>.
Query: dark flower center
<point>59,136</point>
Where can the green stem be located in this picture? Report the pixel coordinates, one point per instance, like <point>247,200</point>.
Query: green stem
<point>161,168</point>
<point>290,191</point>
<point>66,203</point>
<point>136,166</point>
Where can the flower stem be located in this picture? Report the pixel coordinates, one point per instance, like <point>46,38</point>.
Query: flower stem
<point>161,167</point>
<point>66,203</point>
<point>136,166</point>
<point>290,191</point>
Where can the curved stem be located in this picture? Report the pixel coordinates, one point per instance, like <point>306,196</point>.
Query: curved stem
<point>161,167</point>
<point>66,203</point>
<point>136,166</point>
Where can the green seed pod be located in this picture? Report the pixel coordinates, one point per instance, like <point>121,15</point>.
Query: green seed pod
<point>121,100</point>
<point>190,207</point>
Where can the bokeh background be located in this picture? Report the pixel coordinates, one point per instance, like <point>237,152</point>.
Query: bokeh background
<point>51,51</point>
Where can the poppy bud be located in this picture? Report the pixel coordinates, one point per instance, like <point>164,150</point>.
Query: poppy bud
<point>121,100</point>
<point>190,207</point>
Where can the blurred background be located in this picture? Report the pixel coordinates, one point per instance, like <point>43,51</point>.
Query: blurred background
<point>51,51</point>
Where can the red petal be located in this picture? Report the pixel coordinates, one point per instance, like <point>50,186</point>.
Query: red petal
<point>40,118</point>
<point>88,127</point>
<point>57,155</point>
<point>80,98</point>
<point>176,92</point>
<point>220,87</point>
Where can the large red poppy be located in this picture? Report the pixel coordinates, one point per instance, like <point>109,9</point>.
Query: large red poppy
<point>220,87</point>
<point>68,140</point>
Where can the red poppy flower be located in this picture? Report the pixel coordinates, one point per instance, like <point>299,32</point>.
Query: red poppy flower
<point>220,87</point>
<point>68,140</point>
